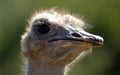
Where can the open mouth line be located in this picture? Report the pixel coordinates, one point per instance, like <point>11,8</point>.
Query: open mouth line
<point>81,40</point>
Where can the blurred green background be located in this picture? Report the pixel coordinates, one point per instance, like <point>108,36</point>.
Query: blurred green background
<point>103,15</point>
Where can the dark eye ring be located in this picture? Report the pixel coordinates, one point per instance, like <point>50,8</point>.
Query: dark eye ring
<point>42,28</point>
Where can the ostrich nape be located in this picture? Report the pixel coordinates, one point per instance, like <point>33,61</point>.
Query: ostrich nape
<point>55,39</point>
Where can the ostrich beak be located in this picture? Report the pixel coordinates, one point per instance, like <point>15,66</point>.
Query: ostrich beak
<point>80,36</point>
<point>83,36</point>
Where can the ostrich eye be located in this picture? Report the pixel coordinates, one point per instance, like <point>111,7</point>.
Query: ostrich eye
<point>42,28</point>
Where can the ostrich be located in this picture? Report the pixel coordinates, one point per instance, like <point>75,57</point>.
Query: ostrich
<point>53,40</point>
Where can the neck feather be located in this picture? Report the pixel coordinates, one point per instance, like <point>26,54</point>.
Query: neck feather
<point>38,68</point>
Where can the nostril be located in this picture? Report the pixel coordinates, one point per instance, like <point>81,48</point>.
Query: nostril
<point>76,35</point>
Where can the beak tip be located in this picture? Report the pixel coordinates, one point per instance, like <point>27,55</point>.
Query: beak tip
<point>99,41</point>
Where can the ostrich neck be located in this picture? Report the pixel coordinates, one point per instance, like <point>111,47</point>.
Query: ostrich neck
<point>38,68</point>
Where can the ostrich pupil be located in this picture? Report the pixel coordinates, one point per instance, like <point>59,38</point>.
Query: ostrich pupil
<point>42,29</point>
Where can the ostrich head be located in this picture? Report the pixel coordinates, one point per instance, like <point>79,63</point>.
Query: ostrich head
<point>57,38</point>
